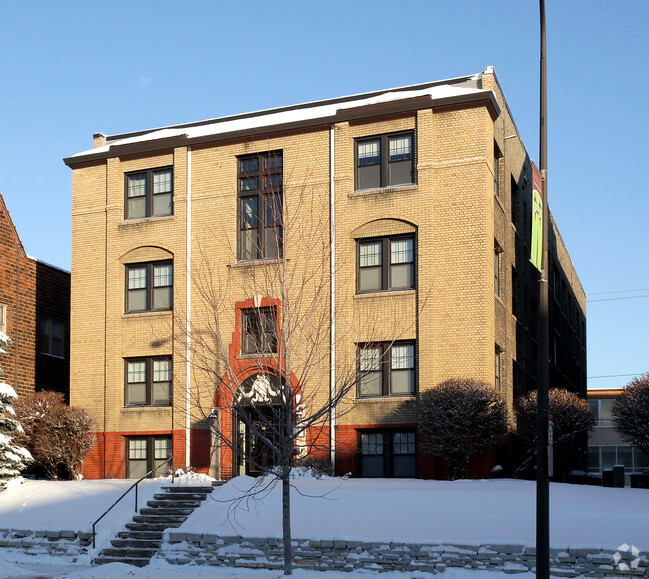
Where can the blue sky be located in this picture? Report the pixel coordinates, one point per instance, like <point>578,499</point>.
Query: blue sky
<point>69,69</point>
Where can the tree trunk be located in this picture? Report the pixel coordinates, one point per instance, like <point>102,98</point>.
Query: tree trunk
<point>286,521</point>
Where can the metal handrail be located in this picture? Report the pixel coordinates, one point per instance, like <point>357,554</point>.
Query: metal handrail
<point>170,459</point>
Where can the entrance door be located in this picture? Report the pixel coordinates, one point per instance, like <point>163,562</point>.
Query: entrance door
<point>256,427</point>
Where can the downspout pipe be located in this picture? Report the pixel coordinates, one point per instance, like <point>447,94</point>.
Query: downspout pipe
<point>188,300</point>
<point>332,297</point>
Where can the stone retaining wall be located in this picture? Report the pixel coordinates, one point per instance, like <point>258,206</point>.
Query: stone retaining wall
<point>323,555</point>
<point>67,545</point>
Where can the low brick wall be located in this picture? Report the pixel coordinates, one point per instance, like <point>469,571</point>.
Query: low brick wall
<point>322,555</point>
<point>66,545</point>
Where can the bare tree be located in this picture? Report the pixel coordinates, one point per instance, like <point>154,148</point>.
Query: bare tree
<point>58,436</point>
<point>572,419</point>
<point>261,374</point>
<point>631,413</point>
<point>460,418</point>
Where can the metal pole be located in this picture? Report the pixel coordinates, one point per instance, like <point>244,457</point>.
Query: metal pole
<point>542,479</point>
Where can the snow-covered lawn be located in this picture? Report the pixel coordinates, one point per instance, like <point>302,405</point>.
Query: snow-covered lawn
<point>460,512</point>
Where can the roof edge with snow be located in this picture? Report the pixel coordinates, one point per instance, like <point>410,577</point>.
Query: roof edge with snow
<point>460,91</point>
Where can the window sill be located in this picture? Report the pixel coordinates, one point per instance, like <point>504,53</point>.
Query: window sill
<point>383,190</point>
<point>255,263</point>
<point>141,220</point>
<point>385,293</point>
<point>257,355</point>
<point>386,397</point>
<point>146,313</point>
<point>147,407</point>
<point>52,356</point>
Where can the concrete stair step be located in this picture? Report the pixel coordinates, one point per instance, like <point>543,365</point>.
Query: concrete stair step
<point>135,562</point>
<point>165,511</point>
<point>131,543</point>
<point>187,489</point>
<point>129,553</point>
<point>151,526</point>
<point>141,535</point>
<point>159,520</point>
<point>175,504</point>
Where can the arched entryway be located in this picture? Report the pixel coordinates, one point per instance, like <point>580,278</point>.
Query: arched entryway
<point>257,424</point>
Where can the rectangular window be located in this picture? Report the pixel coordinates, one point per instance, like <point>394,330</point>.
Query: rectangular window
<point>387,453</point>
<point>497,168</point>
<point>497,268</point>
<point>602,411</point>
<point>51,337</point>
<point>386,264</point>
<point>384,160</point>
<point>148,382</point>
<point>149,193</point>
<point>498,367</point>
<point>3,318</point>
<point>260,206</point>
<point>259,331</point>
<point>386,369</point>
<point>149,286</point>
<point>145,454</point>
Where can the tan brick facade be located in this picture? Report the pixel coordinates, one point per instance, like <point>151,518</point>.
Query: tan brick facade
<point>451,314</point>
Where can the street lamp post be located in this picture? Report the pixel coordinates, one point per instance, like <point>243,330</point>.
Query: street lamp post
<point>542,478</point>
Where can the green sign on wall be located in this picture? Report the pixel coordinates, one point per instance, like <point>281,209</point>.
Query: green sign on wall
<point>537,230</point>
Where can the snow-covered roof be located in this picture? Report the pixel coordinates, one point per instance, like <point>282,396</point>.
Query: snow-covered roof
<point>458,90</point>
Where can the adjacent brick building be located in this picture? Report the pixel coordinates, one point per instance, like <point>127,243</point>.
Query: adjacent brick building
<point>35,313</point>
<point>399,222</point>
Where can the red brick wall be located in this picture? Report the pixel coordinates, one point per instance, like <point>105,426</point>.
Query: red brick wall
<point>31,290</point>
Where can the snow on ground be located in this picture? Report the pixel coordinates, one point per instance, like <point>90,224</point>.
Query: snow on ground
<point>466,512</point>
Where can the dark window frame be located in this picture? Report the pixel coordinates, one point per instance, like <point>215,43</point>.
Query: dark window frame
<point>386,265</point>
<point>149,381</point>
<point>260,214</point>
<point>385,369</point>
<point>47,339</point>
<point>388,449</point>
<point>497,168</point>
<point>498,269</point>
<point>383,160</point>
<point>150,452</point>
<point>149,286</point>
<point>266,338</point>
<point>149,194</point>
<point>498,367</point>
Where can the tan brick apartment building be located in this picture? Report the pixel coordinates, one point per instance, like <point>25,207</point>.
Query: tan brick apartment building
<point>424,194</point>
<point>35,314</point>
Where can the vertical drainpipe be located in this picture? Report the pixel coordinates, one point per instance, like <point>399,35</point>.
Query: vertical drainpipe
<point>188,297</point>
<point>332,300</point>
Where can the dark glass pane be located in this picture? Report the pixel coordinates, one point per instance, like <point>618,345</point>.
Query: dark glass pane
<point>250,165</point>
<point>273,242</point>
<point>401,276</point>
<point>372,384</point>
<point>136,393</point>
<point>400,148</point>
<point>369,177</point>
<point>274,161</point>
<point>251,184</point>
<point>404,466</point>
<point>369,153</point>
<point>249,212</point>
<point>369,279</point>
<point>136,300</point>
<point>403,381</point>
<point>162,298</point>
<point>400,172</point>
<point>136,208</point>
<point>137,468</point>
<point>162,204</point>
<point>248,244</point>
<point>273,183</point>
<point>273,210</point>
